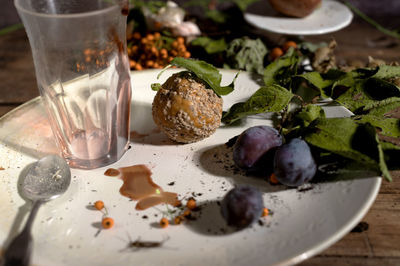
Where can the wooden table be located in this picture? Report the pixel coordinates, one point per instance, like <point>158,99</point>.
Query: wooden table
<point>378,245</point>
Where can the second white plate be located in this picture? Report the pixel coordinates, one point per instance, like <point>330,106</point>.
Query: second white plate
<point>329,17</point>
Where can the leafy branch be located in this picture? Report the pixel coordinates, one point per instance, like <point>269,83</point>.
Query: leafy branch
<point>370,137</point>
<point>393,33</point>
<point>10,29</point>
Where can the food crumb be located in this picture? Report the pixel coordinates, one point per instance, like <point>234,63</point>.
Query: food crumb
<point>361,227</point>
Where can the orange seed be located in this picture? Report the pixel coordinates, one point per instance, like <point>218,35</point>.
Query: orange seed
<point>276,53</point>
<point>99,205</point>
<point>273,179</point>
<point>191,204</point>
<point>107,222</point>
<point>164,222</point>
<point>289,44</point>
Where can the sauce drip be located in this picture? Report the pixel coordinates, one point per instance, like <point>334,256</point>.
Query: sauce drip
<point>112,172</point>
<point>136,135</point>
<point>139,186</point>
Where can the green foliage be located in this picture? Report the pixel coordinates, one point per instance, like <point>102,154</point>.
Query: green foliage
<point>210,45</point>
<point>282,70</point>
<point>352,140</point>
<point>359,89</point>
<point>10,29</point>
<point>247,54</point>
<point>205,71</point>
<point>371,137</point>
<point>271,98</point>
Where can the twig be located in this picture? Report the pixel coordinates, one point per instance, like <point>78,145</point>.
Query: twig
<point>378,26</point>
<point>11,28</point>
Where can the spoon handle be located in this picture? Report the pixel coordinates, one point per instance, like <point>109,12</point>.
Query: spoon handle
<point>19,251</point>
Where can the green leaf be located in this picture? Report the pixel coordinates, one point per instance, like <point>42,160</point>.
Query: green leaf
<point>345,137</point>
<point>243,4</point>
<point>310,113</point>
<point>354,98</point>
<point>387,126</point>
<point>389,107</point>
<point>155,86</point>
<point>248,54</point>
<point>336,135</point>
<point>316,79</point>
<point>10,29</point>
<point>271,98</point>
<point>358,88</point>
<point>382,163</point>
<point>281,70</point>
<point>311,47</point>
<point>392,154</point>
<point>217,16</point>
<point>379,89</point>
<point>210,45</point>
<point>206,72</point>
<point>387,72</point>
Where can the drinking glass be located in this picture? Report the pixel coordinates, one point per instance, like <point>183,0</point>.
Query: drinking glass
<point>82,71</point>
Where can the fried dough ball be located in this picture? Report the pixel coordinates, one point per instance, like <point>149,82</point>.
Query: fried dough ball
<point>186,109</point>
<point>295,8</point>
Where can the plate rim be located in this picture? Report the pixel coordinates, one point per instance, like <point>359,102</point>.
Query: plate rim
<point>279,30</point>
<point>300,257</point>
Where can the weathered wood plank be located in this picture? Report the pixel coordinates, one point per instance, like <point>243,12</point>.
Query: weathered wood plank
<point>6,108</point>
<point>353,244</point>
<point>383,235</point>
<point>351,261</point>
<point>17,78</point>
<point>360,40</point>
<point>394,186</point>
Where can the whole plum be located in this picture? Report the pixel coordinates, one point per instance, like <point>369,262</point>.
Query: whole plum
<point>253,144</point>
<point>294,164</point>
<point>242,206</point>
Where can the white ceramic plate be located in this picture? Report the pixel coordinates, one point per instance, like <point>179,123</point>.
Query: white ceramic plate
<point>66,230</point>
<point>329,17</point>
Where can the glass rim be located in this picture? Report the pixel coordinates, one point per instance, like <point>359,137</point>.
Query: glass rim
<point>72,15</point>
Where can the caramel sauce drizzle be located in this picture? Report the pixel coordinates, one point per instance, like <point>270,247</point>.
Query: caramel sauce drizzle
<point>139,186</point>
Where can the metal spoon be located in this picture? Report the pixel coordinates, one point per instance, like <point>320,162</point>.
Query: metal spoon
<point>47,179</point>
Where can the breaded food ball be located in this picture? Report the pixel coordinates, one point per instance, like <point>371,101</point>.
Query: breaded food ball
<point>186,109</point>
<point>295,8</point>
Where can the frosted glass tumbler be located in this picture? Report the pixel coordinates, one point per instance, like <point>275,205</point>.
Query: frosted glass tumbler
<point>82,71</point>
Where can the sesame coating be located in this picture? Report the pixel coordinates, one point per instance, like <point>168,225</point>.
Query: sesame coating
<point>186,109</point>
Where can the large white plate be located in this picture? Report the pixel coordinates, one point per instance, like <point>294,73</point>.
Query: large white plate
<point>329,17</point>
<point>66,229</point>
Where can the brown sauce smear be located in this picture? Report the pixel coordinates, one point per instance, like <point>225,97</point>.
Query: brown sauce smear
<point>112,172</point>
<point>136,135</point>
<point>139,186</point>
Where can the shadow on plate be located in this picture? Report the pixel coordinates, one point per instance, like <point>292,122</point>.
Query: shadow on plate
<point>217,160</point>
<point>257,78</point>
<point>143,129</point>
<point>207,220</point>
<point>27,130</point>
<point>22,210</point>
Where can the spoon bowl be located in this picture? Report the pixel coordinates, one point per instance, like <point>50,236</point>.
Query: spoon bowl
<point>47,179</point>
